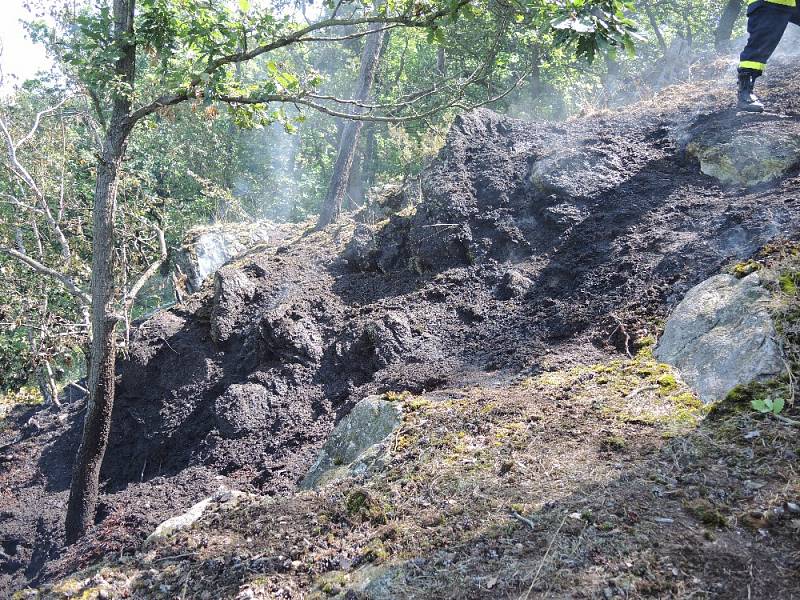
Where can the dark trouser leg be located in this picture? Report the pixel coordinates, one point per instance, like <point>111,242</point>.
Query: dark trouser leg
<point>795,18</point>
<point>766,23</point>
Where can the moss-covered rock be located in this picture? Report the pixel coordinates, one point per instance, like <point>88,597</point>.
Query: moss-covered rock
<point>355,443</point>
<point>748,156</point>
<point>722,335</point>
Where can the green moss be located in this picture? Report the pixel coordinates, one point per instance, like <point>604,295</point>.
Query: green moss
<point>375,551</point>
<point>360,503</point>
<point>332,583</point>
<point>743,269</point>
<point>687,400</point>
<point>355,501</point>
<point>667,382</point>
<point>397,396</point>
<point>706,513</point>
<point>417,403</point>
<point>614,443</point>
<point>739,399</point>
<point>788,283</point>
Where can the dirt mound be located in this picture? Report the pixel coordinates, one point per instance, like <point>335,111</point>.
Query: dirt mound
<point>526,237</point>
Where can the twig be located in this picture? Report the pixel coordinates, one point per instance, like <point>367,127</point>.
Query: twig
<point>544,558</point>
<point>792,380</point>
<point>621,328</point>
<point>519,517</point>
<point>71,286</point>
<point>786,420</point>
<point>640,389</point>
<point>176,557</point>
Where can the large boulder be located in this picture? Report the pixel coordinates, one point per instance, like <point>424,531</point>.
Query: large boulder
<point>206,249</point>
<point>721,335</point>
<point>579,170</point>
<point>357,443</point>
<point>756,150</point>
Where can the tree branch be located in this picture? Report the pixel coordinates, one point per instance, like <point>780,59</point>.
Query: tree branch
<point>39,116</point>
<point>293,38</point>
<point>34,264</point>
<point>22,173</point>
<point>130,297</point>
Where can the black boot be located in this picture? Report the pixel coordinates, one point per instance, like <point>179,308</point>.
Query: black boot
<point>748,101</point>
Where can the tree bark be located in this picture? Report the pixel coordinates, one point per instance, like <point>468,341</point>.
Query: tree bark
<point>722,35</point>
<point>84,489</point>
<point>337,188</point>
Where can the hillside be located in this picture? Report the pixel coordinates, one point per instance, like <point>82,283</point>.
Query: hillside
<point>507,302</point>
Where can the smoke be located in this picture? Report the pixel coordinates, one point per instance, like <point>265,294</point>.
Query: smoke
<point>269,184</point>
<point>790,44</point>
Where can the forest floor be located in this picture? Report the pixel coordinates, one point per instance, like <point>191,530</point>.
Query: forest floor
<point>508,291</point>
<point>596,481</point>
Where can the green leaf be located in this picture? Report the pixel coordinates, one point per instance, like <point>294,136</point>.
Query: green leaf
<point>244,6</point>
<point>777,406</point>
<point>760,406</point>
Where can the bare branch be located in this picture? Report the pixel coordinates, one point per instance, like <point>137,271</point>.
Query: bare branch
<point>303,101</point>
<point>352,36</point>
<point>39,116</point>
<point>34,264</point>
<point>407,100</point>
<point>130,297</point>
<point>133,292</point>
<point>22,173</point>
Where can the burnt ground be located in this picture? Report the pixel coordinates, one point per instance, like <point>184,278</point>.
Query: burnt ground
<point>524,242</point>
<point>603,480</point>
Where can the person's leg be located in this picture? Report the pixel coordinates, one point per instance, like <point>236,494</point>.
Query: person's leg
<point>766,23</point>
<point>795,18</point>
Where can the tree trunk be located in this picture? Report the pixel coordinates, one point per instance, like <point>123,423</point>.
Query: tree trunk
<point>355,186</point>
<point>102,354</point>
<point>722,35</point>
<point>337,188</point>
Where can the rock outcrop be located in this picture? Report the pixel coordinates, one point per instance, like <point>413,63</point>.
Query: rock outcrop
<point>206,249</point>
<point>721,335</point>
<point>191,516</point>
<point>358,442</point>
<point>754,151</point>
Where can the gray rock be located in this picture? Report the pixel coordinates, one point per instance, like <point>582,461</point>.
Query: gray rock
<point>721,335</point>
<point>760,150</point>
<point>205,249</point>
<point>578,170</point>
<point>233,290</point>
<point>191,516</point>
<point>357,443</point>
<point>378,582</point>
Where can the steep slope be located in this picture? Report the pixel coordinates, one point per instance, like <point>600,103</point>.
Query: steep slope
<point>525,247</point>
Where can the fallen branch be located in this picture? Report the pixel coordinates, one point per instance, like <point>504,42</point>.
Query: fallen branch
<point>640,389</point>
<point>787,420</point>
<point>519,517</point>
